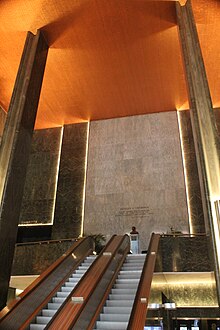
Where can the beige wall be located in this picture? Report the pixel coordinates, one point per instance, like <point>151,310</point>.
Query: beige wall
<point>135,176</point>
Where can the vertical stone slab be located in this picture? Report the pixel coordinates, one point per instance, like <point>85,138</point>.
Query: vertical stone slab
<point>204,126</point>
<point>197,224</point>
<point>2,122</point>
<point>217,118</point>
<point>68,219</point>
<point>41,178</point>
<point>15,149</point>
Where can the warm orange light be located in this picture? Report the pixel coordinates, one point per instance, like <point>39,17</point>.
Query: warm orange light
<point>105,61</point>
<point>182,2</point>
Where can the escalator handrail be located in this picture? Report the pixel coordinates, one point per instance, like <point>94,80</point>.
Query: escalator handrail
<point>70,313</point>
<point>8,313</point>
<point>139,310</point>
<point>51,268</point>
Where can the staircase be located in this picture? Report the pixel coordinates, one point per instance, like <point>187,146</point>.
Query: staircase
<point>47,313</point>
<point>118,306</point>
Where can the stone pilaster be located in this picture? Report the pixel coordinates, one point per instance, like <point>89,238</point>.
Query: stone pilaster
<point>15,149</point>
<point>203,124</point>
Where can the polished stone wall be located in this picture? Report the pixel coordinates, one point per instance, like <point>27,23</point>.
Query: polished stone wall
<point>185,289</point>
<point>217,119</point>
<point>135,177</point>
<point>53,194</point>
<point>197,223</point>
<point>69,199</point>
<point>33,259</point>
<point>41,179</point>
<point>184,254</point>
<point>2,121</point>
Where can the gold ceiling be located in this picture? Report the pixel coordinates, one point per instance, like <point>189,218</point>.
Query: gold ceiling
<point>107,58</point>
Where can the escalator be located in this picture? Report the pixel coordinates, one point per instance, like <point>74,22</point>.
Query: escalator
<point>117,310</point>
<point>28,305</point>
<point>107,292</point>
<point>59,298</point>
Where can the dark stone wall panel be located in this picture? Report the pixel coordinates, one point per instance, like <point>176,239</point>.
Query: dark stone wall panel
<point>33,259</point>
<point>33,233</point>
<point>69,201</point>
<point>217,119</point>
<point>195,199</point>
<point>40,184</point>
<point>184,254</point>
<point>2,122</point>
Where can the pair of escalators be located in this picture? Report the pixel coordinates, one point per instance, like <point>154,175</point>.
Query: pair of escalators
<point>83,291</point>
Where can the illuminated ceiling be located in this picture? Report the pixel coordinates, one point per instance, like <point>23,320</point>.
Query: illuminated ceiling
<point>107,58</point>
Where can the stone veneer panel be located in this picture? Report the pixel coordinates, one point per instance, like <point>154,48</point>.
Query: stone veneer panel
<point>185,289</point>
<point>69,200</point>
<point>135,177</point>
<point>217,119</point>
<point>194,193</point>
<point>40,185</point>
<point>184,254</point>
<point>2,121</point>
<point>33,259</point>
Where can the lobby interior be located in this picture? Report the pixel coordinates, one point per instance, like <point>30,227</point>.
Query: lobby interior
<point>125,132</point>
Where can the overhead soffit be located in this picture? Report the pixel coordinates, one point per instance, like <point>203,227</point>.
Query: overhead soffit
<point>107,58</point>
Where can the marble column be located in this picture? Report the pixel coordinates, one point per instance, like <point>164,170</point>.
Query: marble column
<point>15,149</point>
<point>204,126</point>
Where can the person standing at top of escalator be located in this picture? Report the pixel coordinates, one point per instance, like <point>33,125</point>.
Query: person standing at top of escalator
<point>134,241</point>
<point>134,231</point>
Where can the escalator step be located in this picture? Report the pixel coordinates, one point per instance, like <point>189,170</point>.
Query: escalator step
<point>115,317</point>
<point>132,285</point>
<point>119,303</point>
<point>58,300</point>
<point>53,306</point>
<point>66,289</point>
<point>127,280</point>
<point>117,309</point>
<point>43,319</point>
<point>111,325</point>
<point>61,294</point>
<point>123,291</point>
<point>48,312</point>
<point>37,326</point>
